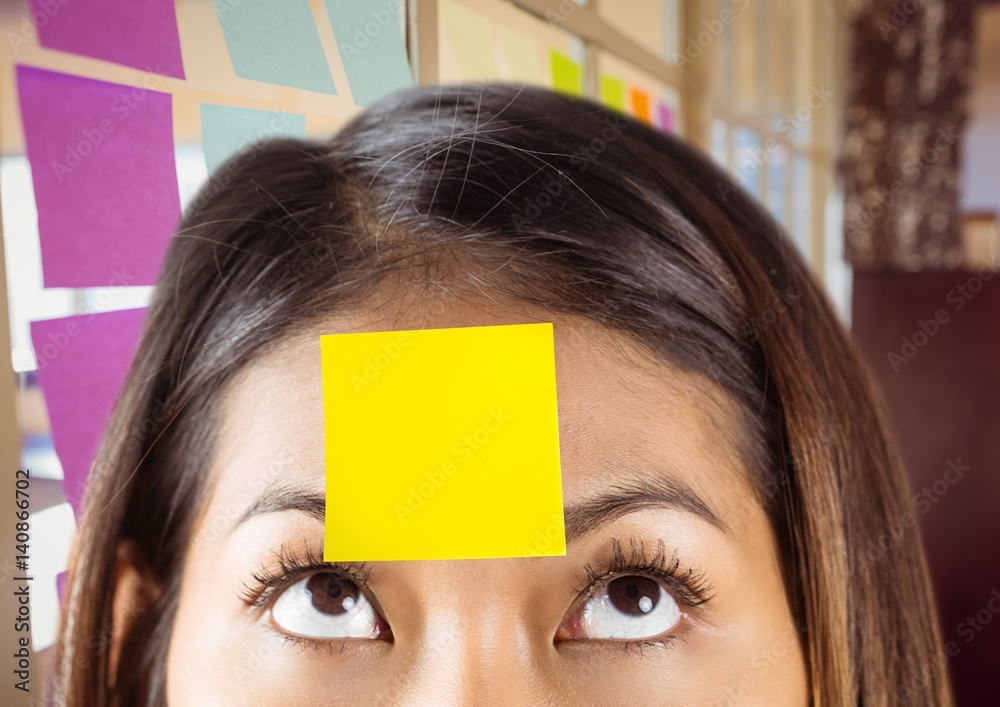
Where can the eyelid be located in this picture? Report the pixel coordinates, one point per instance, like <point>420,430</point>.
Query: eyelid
<point>689,588</point>
<point>295,565</point>
<point>690,582</point>
<point>677,590</point>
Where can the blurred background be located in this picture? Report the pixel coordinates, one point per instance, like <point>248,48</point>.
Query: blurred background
<point>869,129</point>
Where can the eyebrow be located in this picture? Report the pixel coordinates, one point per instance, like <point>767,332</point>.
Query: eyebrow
<point>631,496</point>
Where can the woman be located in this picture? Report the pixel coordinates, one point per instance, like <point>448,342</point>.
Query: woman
<point>724,462</point>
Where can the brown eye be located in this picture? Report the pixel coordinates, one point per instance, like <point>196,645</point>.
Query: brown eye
<point>327,605</point>
<point>332,594</point>
<point>625,608</point>
<point>633,596</point>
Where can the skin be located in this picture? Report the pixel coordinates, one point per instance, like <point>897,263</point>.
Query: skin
<point>492,631</point>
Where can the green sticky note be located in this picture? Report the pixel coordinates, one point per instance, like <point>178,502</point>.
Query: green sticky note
<point>371,45</point>
<point>225,130</point>
<point>613,92</point>
<point>567,75</point>
<point>442,444</point>
<point>275,41</point>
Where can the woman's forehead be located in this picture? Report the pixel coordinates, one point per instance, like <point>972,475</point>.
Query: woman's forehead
<point>619,411</point>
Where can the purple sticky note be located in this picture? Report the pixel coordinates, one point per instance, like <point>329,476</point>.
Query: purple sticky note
<point>102,164</point>
<point>665,117</point>
<point>137,33</point>
<point>82,362</point>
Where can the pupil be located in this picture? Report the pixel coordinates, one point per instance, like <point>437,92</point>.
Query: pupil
<point>633,596</point>
<point>332,594</point>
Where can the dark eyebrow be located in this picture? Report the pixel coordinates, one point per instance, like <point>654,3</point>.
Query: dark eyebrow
<point>634,495</point>
<point>279,496</point>
<point>631,496</point>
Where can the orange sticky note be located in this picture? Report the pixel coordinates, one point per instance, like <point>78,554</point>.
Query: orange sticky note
<point>442,444</point>
<point>640,105</point>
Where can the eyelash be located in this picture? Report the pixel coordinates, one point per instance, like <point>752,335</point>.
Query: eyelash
<point>689,586</point>
<point>292,566</point>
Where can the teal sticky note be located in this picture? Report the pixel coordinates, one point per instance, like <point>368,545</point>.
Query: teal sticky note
<point>275,41</point>
<point>225,130</point>
<point>371,45</point>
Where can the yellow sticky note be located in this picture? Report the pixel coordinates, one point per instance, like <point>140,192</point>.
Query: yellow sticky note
<point>613,92</point>
<point>567,75</point>
<point>442,444</point>
<point>470,35</point>
<point>521,54</point>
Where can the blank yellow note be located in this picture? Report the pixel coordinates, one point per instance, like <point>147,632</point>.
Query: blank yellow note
<point>567,75</point>
<point>613,92</point>
<point>442,444</point>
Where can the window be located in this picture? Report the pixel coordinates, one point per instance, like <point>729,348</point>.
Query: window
<point>755,85</point>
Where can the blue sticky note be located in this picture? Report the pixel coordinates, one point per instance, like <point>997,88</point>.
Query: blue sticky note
<point>371,45</point>
<point>275,41</point>
<point>225,130</point>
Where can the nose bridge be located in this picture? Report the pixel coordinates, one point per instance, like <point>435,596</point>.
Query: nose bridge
<point>474,646</point>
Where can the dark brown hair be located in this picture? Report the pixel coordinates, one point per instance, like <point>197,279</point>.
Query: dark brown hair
<point>557,202</point>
